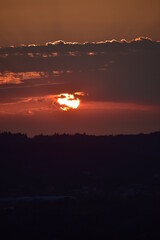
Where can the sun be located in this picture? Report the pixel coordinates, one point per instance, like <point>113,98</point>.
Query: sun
<point>68,101</point>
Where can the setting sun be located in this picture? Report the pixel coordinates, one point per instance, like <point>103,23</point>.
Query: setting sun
<point>68,101</point>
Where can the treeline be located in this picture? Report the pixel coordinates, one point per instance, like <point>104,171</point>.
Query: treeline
<point>61,164</point>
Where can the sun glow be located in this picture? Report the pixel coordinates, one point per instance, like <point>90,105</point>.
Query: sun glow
<point>68,101</point>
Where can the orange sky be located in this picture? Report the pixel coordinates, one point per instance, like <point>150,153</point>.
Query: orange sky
<point>34,117</point>
<point>40,21</point>
<point>84,83</point>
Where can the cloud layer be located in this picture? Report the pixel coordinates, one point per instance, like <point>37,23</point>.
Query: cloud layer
<point>115,86</point>
<point>106,71</point>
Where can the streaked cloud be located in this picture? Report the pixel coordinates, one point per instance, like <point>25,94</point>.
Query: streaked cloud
<point>17,78</point>
<point>114,71</point>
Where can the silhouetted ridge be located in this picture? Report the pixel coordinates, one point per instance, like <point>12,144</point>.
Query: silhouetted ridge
<point>53,187</point>
<point>62,160</point>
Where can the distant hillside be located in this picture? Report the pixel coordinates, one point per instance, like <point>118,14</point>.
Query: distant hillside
<point>65,163</point>
<point>80,187</point>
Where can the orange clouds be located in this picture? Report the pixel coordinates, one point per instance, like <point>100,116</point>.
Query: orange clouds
<point>48,104</point>
<point>16,78</point>
<point>120,80</point>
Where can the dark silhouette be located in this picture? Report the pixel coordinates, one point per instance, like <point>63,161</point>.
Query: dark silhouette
<point>79,186</point>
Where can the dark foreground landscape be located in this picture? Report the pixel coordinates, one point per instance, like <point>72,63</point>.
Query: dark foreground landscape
<point>80,187</point>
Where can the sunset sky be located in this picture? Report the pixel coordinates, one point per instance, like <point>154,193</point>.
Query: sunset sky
<point>40,21</point>
<point>102,77</point>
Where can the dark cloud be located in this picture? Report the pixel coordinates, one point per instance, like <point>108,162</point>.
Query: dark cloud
<point>120,71</point>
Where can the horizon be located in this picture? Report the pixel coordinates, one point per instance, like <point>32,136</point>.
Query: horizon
<point>78,134</point>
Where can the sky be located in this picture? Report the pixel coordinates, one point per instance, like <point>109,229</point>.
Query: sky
<point>40,21</point>
<point>102,77</point>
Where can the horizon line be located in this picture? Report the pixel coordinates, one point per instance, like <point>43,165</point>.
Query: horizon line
<point>78,134</point>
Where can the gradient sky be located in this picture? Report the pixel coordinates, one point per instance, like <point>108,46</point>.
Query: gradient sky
<point>40,21</point>
<point>117,84</point>
<point>116,81</point>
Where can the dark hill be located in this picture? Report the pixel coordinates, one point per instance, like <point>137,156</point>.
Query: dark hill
<point>80,186</point>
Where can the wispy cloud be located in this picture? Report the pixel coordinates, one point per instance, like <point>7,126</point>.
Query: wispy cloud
<point>17,78</point>
<point>118,71</point>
